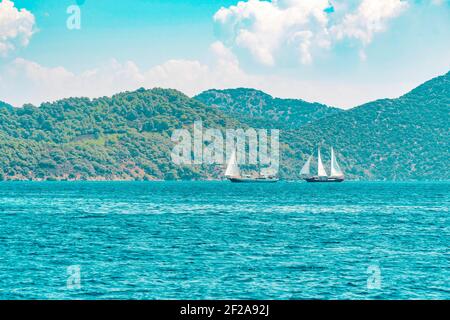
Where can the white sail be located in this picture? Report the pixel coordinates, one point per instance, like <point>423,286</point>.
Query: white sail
<point>306,170</point>
<point>336,171</point>
<point>321,168</point>
<point>232,168</point>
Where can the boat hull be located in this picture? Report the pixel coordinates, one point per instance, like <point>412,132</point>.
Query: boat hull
<point>253,180</point>
<point>324,180</point>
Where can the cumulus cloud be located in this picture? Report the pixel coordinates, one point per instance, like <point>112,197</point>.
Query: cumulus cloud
<point>264,27</point>
<point>267,28</point>
<point>370,17</point>
<point>25,81</point>
<point>43,83</point>
<point>16,26</point>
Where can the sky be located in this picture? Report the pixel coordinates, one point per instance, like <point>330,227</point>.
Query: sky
<point>341,53</point>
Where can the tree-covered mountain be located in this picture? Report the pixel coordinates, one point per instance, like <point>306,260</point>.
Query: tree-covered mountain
<point>5,105</point>
<point>128,136</point>
<point>261,110</point>
<point>391,139</point>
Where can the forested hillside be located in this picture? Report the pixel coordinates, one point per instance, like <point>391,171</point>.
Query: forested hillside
<point>127,136</point>
<point>5,105</point>
<point>391,139</point>
<point>261,110</point>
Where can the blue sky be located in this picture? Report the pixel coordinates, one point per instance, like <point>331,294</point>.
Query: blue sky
<point>342,53</point>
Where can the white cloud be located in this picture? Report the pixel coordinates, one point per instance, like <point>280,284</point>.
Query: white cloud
<point>16,26</point>
<point>26,81</point>
<point>189,76</point>
<point>298,25</point>
<point>192,76</point>
<point>41,83</point>
<point>267,28</point>
<point>370,17</point>
<point>264,27</point>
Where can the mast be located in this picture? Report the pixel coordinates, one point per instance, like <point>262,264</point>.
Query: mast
<point>233,168</point>
<point>321,169</point>
<point>306,170</point>
<point>336,171</point>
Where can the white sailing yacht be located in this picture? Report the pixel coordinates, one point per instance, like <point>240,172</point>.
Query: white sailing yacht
<point>322,176</point>
<point>233,173</point>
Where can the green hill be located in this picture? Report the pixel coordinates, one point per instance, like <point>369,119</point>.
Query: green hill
<point>261,110</point>
<point>391,139</point>
<point>127,136</point>
<point>5,105</point>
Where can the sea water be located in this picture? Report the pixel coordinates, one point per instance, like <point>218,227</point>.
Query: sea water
<point>217,240</point>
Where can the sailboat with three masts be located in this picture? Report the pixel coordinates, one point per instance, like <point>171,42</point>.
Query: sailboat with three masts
<point>322,176</point>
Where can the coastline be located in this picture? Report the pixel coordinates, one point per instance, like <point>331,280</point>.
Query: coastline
<point>205,180</point>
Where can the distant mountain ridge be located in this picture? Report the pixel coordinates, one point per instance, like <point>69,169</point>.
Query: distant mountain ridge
<point>259,109</point>
<point>127,136</point>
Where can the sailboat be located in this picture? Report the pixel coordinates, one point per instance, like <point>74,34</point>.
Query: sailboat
<point>233,173</point>
<point>322,176</point>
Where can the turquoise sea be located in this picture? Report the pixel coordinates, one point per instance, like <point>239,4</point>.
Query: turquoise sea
<point>217,240</point>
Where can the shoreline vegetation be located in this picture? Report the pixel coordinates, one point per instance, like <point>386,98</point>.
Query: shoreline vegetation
<point>127,137</point>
